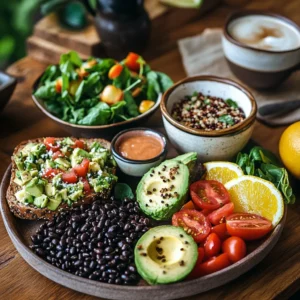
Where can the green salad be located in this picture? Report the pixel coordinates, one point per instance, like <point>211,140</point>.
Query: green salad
<point>100,91</point>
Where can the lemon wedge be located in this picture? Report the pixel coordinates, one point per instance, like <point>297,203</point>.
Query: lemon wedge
<point>222,171</point>
<point>258,196</point>
<point>183,3</point>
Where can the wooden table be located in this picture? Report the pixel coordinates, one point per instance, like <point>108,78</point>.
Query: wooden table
<point>278,276</point>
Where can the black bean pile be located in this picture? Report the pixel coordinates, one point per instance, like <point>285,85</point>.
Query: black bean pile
<point>94,241</point>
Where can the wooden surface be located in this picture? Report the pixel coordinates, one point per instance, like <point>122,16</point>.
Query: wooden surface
<point>278,276</point>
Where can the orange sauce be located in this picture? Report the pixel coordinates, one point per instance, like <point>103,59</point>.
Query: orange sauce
<point>140,147</point>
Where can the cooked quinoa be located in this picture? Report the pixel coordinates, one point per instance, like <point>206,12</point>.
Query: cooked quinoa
<point>207,112</point>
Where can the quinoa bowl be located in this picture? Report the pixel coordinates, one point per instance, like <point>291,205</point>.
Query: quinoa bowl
<point>211,115</point>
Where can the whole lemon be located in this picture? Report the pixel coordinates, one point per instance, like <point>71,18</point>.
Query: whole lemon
<point>289,149</point>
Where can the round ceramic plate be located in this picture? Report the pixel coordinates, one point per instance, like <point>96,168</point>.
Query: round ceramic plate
<point>21,230</point>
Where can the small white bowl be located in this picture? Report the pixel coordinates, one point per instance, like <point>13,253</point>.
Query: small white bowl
<point>137,167</point>
<point>223,144</point>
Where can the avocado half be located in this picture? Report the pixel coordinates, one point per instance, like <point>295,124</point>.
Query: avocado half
<point>165,254</point>
<point>163,190</point>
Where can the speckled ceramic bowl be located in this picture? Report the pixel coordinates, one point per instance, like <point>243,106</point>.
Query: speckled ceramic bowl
<point>210,145</point>
<point>137,167</point>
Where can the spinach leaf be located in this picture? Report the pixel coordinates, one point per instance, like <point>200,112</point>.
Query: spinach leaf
<point>231,103</point>
<point>164,81</point>
<point>122,191</point>
<point>51,73</point>
<point>97,115</point>
<point>227,119</point>
<point>55,108</point>
<point>153,86</point>
<point>72,57</point>
<point>131,107</point>
<point>123,80</point>
<point>46,91</point>
<point>264,164</point>
<point>117,109</point>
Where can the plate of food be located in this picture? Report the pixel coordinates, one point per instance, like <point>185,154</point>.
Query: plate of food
<point>185,228</point>
<point>99,96</point>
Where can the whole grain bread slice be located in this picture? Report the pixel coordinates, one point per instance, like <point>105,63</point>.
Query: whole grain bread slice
<point>30,212</point>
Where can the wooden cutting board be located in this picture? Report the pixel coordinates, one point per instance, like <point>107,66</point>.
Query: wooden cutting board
<point>50,40</point>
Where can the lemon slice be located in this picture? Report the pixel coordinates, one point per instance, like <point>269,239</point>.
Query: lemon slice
<point>183,3</point>
<point>222,171</point>
<point>258,196</point>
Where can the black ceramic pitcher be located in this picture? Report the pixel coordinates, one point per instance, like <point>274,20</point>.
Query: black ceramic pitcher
<point>123,25</point>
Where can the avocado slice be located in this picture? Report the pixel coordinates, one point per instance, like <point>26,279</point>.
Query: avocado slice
<point>25,176</point>
<point>41,201</point>
<point>53,203</point>
<point>78,155</point>
<point>33,188</point>
<point>163,189</point>
<point>63,163</point>
<point>189,159</point>
<point>165,254</point>
<point>50,189</point>
<point>23,196</point>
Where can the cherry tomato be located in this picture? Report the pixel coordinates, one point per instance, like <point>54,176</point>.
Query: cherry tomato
<point>193,222</point>
<point>209,194</point>
<point>212,246</point>
<point>86,186</point>
<point>188,205</point>
<point>58,85</point>
<point>50,173</point>
<point>248,226</point>
<point>221,231</point>
<point>50,144</point>
<point>115,71</point>
<point>214,264</point>
<point>57,154</point>
<point>235,247</point>
<point>206,212</point>
<point>194,274</point>
<point>111,95</point>
<point>82,169</point>
<point>69,177</point>
<point>79,144</point>
<point>218,216</point>
<point>131,61</point>
<point>145,105</point>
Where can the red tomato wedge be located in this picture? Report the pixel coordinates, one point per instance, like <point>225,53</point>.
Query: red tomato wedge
<point>235,247</point>
<point>218,216</point>
<point>69,177</point>
<point>221,231</point>
<point>209,194</point>
<point>193,222</point>
<point>86,186</point>
<point>79,144</point>
<point>248,226</point>
<point>82,169</point>
<point>188,205</point>
<point>131,61</point>
<point>194,274</point>
<point>115,71</point>
<point>50,144</point>
<point>50,173</point>
<point>214,264</point>
<point>57,154</point>
<point>212,245</point>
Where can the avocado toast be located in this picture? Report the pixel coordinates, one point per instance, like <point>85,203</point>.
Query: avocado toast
<point>54,173</point>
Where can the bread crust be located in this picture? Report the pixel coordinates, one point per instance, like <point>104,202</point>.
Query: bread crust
<point>30,212</point>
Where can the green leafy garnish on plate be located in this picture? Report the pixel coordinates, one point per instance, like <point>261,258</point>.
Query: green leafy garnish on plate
<point>231,103</point>
<point>227,119</point>
<point>264,164</point>
<point>122,191</point>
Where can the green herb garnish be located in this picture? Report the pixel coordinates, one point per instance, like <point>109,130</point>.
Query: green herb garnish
<point>227,119</point>
<point>231,103</point>
<point>206,101</point>
<point>122,191</point>
<point>264,164</point>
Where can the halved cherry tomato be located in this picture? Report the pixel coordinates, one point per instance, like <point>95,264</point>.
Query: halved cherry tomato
<point>50,173</point>
<point>115,71</point>
<point>206,212</point>
<point>111,95</point>
<point>86,186</point>
<point>218,216</point>
<point>78,144</point>
<point>212,245</point>
<point>188,205</point>
<point>248,226</point>
<point>193,222</point>
<point>57,154</point>
<point>82,169</point>
<point>221,231</point>
<point>58,85</point>
<point>214,264</point>
<point>194,274</point>
<point>131,61</point>
<point>69,177</point>
<point>235,247</point>
<point>50,144</point>
<point>209,194</point>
